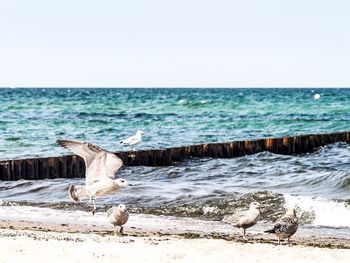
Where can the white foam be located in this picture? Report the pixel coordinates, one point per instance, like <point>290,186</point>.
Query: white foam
<point>327,212</point>
<point>209,209</point>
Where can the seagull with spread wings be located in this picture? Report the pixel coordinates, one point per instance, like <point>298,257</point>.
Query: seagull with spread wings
<point>101,167</point>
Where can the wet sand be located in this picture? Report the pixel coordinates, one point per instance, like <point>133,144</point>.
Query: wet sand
<point>36,234</point>
<point>41,246</point>
<point>142,225</point>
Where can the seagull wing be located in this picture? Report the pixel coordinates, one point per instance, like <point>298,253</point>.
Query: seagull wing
<point>99,162</point>
<point>110,211</point>
<point>285,224</point>
<point>130,140</point>
<point>85,150</point>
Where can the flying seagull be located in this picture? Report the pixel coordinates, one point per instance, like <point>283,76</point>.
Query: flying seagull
<point>118,216</point>
<point>286,226</point>
<point>244,219</point>
<point>101,167</point>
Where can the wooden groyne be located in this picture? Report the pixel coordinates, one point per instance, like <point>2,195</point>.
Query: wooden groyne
<point>73,166</point>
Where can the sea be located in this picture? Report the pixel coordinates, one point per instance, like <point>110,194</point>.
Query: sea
<point>317,183</point>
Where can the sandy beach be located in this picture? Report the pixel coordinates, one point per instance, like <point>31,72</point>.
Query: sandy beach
<point>38,246</point>
<point>38,234</point>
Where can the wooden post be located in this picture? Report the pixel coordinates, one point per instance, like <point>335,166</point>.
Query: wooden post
<point>198,151</point>
<point>36,168</point>
<point>287,147</point>
<point>167,157</point>
<point>205,150</point>
<point>53,168</point>
<point>62,171</point>
<point>30,169</point>
<point>226,150</point>
<point>43,168</point>
<point>5,171</point>
<point>212,150</point>
<point>17,173</point>
<point>69,166</point>
<point>176,154</point>
<point>248,147</point>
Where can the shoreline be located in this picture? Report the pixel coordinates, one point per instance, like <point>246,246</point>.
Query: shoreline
<point>34,234</point>
<point>37,246</point>
<point>166,227</point>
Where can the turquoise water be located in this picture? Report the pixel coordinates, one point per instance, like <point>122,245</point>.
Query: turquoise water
<point>31,120</point>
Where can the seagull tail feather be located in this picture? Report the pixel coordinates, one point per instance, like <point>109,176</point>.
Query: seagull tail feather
<point>76,192</point>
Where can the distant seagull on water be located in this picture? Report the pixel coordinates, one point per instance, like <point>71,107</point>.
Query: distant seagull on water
<point>101,167</point>
<point>118,216</point>
<point>244,219</point>
<point>133,140</point>
<point>286,226</point>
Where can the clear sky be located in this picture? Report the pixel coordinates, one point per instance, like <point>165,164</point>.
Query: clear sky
<point>179,43</point>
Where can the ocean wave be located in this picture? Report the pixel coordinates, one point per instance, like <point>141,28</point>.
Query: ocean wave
<point>329,213</point>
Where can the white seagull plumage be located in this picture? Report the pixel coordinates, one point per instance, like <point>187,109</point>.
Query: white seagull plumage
<point>118,216</point>
<point>133,140</point>
<point>101,167</point>
<point>244,219</point>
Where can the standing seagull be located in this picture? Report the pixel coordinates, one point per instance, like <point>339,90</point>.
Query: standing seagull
<point>244,219</point>
<point>286,226</point>
<point>101,166</point>
<point>133,140</point>
<point>118,216</point>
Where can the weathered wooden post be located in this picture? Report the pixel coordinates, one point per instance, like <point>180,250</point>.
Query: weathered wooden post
<point>5,170</point>
<point>18,172</point>
<point>176,154</point>
<point>205,150</point>
<point>226,150</point>
<point>167,156</point>
<point>43,168</point>
<point>287,147</point>
<point>30,169</point>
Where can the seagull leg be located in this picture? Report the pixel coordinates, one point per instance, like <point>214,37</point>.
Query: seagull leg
<point>279,241</point>
<point>242,233</point>
<point>244,236</point>
<point>89,201</point>
<point>93,210</point>
<point>121,230</point>
<point>115,231</point>
<point>289,241</point>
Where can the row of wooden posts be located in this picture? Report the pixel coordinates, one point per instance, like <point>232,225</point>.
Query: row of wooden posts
<point>73,166</point>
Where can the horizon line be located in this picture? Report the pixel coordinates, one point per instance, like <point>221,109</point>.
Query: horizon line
<point>170,87</point>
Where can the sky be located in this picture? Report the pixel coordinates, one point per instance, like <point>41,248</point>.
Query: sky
<point>182,43</point>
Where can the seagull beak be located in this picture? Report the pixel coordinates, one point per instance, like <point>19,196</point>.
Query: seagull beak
<point>129,184</point>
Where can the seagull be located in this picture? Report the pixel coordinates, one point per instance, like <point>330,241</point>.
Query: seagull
<point>244,219</point>
<point>101,167</point>
<point>286,226</point>
<point>133,140</point>
<point>118,216</point>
